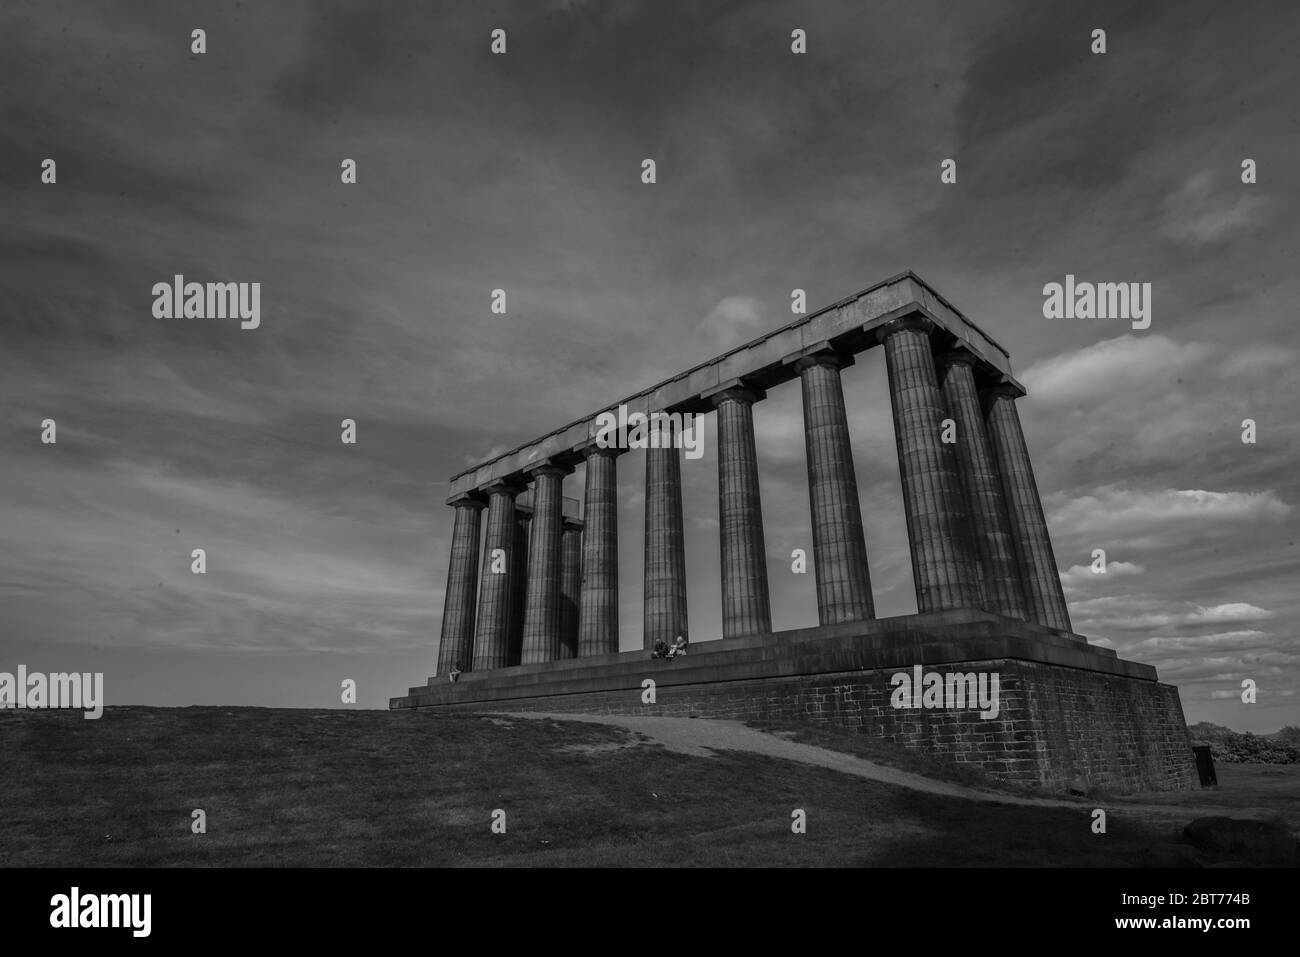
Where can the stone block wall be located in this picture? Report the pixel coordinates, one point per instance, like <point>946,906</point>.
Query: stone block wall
<point>1055,725</point>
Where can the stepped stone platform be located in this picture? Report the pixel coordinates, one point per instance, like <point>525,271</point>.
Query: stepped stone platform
<point>1067,711</point>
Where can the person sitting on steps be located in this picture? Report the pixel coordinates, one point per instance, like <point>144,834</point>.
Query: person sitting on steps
<point>678,648</point>
<point>660,649</point>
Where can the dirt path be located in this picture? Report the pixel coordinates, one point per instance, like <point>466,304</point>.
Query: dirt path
<point>702,737</point>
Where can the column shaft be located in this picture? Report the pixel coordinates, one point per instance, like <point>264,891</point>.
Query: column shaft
<point>985,500</point>
<point>542,607</point>
<point>944,563</point>
<point>598,604</point>
<point>570,588</point>
<point>455,650</point>
<point>1038,574</point>
<point>518,587</point>
<point>665,552</point>
<point>746,606</point>
<point>839,544</point>
<point>491,633</point>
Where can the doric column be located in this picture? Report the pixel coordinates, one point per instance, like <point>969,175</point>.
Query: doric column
<point>457,646</point>
<point>518,587</point>
<point>493,627</point>
<point>542,607</point>
<point>1038,575</point>
<point>598,603</point>
<point>945,568</point>
<point>839,545</point>
<point>746,607</point>
<point>665,552</point>
<point>570,587</point>
<point>985,502</point>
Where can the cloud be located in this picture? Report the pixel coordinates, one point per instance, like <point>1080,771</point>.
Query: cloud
<point>1127,613</point>
<point>493,452</point>
<point>1142,404</point>
<point>1233,611</point>
<point>1256,359</point>
<point>1110,367</point>
<point>1082,577</point>
<point>734,321</point>
<point>1193,649</point>
<point>121,541</point>
<point>1197,214</point>
<point>1123,507</point>
<point>1116,516</point>
<point>1164,645</point>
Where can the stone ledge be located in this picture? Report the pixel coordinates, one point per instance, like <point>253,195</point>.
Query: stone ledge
<point>931,640</point>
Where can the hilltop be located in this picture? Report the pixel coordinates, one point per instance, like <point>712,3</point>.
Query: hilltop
<point>375,788</point>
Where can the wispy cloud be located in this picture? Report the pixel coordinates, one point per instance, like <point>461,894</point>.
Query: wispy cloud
<point>1199,213</point>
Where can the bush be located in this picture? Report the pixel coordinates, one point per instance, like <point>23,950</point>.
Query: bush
<point>1238,747</point>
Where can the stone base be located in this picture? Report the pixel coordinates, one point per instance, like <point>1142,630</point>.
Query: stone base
<point>1067,711</point>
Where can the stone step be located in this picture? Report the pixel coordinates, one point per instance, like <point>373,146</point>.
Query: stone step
<point>891,629</point>
<point>894,644</point>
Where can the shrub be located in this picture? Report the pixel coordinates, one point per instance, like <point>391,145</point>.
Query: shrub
<point>1242,747</point>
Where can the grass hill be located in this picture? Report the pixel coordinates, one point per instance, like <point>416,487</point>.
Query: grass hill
<point>376,788</point>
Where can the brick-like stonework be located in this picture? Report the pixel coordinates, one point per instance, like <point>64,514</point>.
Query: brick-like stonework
<point>1054,725</point>
<point>1067,711</point>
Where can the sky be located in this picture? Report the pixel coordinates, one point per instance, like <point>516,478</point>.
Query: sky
<point>774,170</point>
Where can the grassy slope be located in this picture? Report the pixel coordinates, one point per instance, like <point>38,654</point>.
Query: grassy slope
<point>312,788</point>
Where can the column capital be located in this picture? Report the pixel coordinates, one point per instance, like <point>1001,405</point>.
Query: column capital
<point>592,447</point>
<point>573,525</point>
<point>914,321</point>
<point>818,353</point>
<point>1001,389</point>
<point>956,357</point>
<point>825,357</point>
<point>467,500</point>
<point>502,487</point>
<point>734,390</point>
<point>662,423</point>
<point>549,467</point>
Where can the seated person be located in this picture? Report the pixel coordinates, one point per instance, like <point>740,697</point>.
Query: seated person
<point>455,671</point>
<point>660,649</point>
<point>678,648</point>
